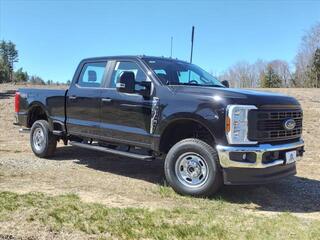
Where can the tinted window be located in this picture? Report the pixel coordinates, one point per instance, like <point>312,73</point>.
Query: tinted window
<point>127,66</point>
<point>184,76</point>
<point>162,75</point>
<point>92,74</point>
<point>173,72</point>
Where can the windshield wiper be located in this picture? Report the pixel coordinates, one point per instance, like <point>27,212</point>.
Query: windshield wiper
<point>193,84</point>
<point>200,85</point>
<point>213,85</point>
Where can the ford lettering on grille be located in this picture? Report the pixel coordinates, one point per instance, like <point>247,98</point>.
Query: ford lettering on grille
<point>289,124</point>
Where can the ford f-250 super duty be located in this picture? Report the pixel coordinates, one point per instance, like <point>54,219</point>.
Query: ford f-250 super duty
<point>149,107</point>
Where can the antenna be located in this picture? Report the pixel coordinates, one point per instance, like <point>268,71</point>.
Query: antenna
<point>192,37</point>
<point>171,47</point>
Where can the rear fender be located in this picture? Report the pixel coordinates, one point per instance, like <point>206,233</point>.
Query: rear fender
<point>34,105</point>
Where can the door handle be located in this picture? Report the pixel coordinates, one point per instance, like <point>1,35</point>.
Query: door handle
<point>72,97</point>
<point>106,99</point>
<point>131,105</point>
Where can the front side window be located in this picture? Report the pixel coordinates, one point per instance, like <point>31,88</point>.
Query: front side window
<point>92,74</point>
<point>171,72</point>
<point>122,66</point>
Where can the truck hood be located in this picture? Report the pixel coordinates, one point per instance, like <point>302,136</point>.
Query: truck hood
<point>237,96</point>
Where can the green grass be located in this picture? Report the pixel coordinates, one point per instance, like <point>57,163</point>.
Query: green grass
<point>165,191</point>
<point>208,219</point>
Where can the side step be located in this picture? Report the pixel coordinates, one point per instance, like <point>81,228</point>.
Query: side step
<point>27,130</point>
<point>113,151</point>
<point>57,133</point>
<point>24,130</point>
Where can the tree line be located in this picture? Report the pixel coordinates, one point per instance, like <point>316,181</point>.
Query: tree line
<point>277,73</point>
<point>267,74</point>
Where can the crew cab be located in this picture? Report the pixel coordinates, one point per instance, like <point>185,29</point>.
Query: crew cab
<point>152,108</point>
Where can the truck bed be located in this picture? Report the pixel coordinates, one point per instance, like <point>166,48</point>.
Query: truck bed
<point>52,100</point>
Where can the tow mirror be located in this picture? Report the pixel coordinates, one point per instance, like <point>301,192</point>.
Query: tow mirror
<point>126,82</point>
<point>225,83</point>
<point>146,88</point>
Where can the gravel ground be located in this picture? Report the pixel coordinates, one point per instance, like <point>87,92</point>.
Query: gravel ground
<point>121,182</point>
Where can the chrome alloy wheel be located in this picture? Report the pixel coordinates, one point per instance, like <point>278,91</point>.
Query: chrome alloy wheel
<point>39,139</point>
<point>191,169</point>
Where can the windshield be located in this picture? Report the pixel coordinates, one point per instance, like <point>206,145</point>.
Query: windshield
<point>172,72</point>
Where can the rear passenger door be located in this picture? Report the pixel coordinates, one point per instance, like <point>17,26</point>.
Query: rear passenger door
<point>83,100</point>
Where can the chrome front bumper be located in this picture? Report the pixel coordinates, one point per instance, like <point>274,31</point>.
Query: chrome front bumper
<point>226,162</point>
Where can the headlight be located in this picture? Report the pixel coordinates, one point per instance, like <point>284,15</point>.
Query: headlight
<point>237,124</point>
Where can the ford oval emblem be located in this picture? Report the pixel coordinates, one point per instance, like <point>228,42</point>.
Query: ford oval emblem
<point>289,124</point>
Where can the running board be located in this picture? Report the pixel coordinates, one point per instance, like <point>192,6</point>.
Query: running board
<point>57,133</point>
<point>112,151</point>
<point>24,130</point>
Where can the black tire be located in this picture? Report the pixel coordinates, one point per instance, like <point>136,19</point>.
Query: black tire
<point>206,155</point>
<point>47,147</point>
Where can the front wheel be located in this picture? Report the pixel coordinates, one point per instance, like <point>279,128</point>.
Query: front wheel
<point>43,142</point>
<point>192,168</point>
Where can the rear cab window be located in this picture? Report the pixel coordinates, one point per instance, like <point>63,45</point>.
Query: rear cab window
<point>92,74</point>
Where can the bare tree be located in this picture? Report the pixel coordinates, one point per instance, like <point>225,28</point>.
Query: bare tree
<point>259,67</point>
<point>281,68</point>
<point>244,74</point>
<point>303,61</point>
<point>239,75</point>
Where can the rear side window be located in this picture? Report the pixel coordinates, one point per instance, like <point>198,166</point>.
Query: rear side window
<point>92,74</point>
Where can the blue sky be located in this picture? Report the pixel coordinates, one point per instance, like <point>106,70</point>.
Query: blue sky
<point>53,36</point>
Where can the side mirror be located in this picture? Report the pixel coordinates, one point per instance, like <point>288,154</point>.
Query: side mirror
<point>225,83</point>
<point>146,88</point>
<point>126,82</point>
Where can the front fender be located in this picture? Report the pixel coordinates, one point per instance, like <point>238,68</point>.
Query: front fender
<point>205,118</point>
<point>211,117</point>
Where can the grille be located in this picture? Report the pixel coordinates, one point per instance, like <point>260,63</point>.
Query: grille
<point>268,125</point>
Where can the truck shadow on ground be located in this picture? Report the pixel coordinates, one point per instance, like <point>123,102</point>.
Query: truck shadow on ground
<point>294,194</point>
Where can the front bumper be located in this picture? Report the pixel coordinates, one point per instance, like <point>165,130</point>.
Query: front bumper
<point>258,171</point>
<point>251,176</point>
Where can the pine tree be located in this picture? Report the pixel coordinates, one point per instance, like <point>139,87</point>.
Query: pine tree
<point>4,71</point>
<point>21,76</point>
<point>314,71</point>
<point>9,55</point>
<point>270,79</point>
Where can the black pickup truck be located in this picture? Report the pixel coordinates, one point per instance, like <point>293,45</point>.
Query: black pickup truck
<point>152,107</point>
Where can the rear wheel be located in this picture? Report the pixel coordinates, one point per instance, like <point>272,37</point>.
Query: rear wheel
<point>192,168</point>
<point>43,142</point>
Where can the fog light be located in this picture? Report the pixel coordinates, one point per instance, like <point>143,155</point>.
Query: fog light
<point>249,157</point>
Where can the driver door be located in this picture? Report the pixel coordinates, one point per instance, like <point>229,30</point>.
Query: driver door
<point>126,117</point>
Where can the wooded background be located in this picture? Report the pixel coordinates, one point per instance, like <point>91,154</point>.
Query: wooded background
<point>267,74</point>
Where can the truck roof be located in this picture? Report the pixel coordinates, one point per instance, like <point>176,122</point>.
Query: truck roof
<point>134,57</point>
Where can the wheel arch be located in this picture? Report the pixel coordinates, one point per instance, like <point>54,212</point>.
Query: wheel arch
<point>184,127</point>
<point>37,111</point>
